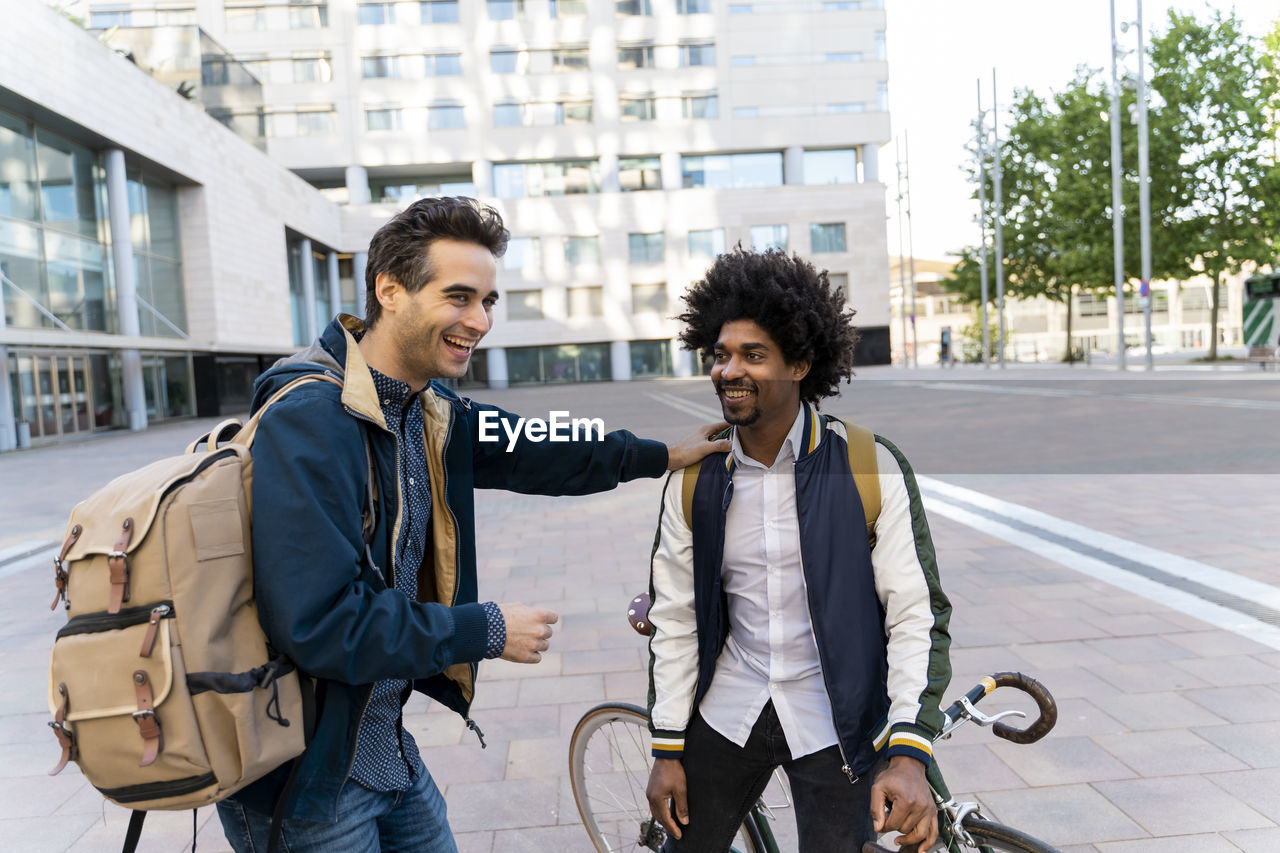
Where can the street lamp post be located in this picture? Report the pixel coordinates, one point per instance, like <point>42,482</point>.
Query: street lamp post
<point>982,225</point>
<point>1144,193</point>
<point>998,265</point>
<point>1117,214</point>
<point>911,250</point>
<point>902,261</point>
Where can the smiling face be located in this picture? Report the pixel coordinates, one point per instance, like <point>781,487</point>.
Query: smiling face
<point>437,328</point>
<point>756,385</point>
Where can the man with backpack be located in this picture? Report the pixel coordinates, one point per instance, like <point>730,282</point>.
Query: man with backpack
<point>797,615</point>
<point>364,533</point>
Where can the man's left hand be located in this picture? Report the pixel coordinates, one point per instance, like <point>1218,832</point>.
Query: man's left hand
<point>696,445</point>
<point>901,800</point>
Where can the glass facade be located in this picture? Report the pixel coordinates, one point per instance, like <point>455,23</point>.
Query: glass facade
<point>559,177</point>
<point>646,248</point>
<point>838,166</point>
<point>727,171</point>
<point>563,363</point>
<point>157,256</point>
<point>650,358</point>
<point>826,237</point>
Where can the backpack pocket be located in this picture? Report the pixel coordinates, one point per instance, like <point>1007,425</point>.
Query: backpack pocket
<point>117,687</point>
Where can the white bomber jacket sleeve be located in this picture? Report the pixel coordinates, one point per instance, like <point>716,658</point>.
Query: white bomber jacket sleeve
<point>673,647</point>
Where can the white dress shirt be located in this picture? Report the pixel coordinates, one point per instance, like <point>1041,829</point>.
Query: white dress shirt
<point>770,652</point>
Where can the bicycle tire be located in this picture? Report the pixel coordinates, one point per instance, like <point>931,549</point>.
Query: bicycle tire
<point>609,762</point>
<point>991,836</point>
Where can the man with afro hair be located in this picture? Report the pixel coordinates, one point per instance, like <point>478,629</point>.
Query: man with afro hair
<point>794,627</point>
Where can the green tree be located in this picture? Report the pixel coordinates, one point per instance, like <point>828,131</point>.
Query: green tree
<point>1219,89</point>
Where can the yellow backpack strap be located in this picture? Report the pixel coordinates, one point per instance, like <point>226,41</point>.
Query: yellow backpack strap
<point>687,485</point>
<point>866,474</point>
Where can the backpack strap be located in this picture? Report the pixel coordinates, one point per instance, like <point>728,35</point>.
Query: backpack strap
<point>687,485</point>
<point>861,443</point>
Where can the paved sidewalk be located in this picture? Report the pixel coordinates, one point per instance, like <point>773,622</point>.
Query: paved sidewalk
<point>1165,738</point>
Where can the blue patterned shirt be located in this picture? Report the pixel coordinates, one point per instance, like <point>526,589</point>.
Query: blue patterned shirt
<point>387,757</point>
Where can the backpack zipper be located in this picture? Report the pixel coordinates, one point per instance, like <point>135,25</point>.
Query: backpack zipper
<point>93,623</point>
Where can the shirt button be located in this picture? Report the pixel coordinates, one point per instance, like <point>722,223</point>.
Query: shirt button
<point>410,481</point>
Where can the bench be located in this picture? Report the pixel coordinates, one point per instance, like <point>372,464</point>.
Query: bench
<point>1263,356</point>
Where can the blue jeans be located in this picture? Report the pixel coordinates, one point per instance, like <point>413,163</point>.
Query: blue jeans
<point>367,822</point>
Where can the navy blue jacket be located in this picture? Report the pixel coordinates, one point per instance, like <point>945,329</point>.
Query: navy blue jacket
<point>330,612</point>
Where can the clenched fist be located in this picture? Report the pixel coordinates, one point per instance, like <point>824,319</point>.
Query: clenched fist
<point>528,632</point>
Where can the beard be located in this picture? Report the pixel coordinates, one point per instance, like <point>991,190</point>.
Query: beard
<point>741,418</point>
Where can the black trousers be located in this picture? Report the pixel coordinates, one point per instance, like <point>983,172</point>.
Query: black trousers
<point>725,780</point>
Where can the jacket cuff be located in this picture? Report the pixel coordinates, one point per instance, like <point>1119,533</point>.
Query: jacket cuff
<point>910,740</point>
<point>668,744</point>
<point>650,458</point>
<point>470,632</point>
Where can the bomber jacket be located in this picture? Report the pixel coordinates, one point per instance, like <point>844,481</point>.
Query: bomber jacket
<point>323,605</point>
<point>879,617</point>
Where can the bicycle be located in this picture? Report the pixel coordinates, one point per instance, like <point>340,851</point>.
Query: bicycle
<point>609,763</point>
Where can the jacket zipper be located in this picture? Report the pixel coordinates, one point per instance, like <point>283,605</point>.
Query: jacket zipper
<point>93,623</point>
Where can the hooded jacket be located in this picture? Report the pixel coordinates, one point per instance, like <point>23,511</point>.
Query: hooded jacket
<point>879,618</point>
<point>323,604</point>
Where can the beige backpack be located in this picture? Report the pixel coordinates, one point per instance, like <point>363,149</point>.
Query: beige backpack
<point>162,686</point>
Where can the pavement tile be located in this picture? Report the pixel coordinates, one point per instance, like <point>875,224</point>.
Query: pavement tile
<point>974,767</point>
<point>510,804</point>
<point>1139,649</point>
<point>31,796</point>
<point>1082,718</point>
<point>564,688</point>
<point>1063,814</point>
<point>1057,655</point>
<point>466,762</point>
<point>1181,805</point>
<point>499,669</point>
<point>508,724</point>
<point>1238,704</point>
<point>541,839</point>
<point>1259,789</point>
<point>1060,761</point>
<point>630,686</point>
<point>531,758</point>
<point>1177,844</point>
<point>1255,840</point>
<point>1072,682</point>
<point>435,729</point>
<point>1232,670</point>
<point>1255,744</point>
<point>1054,630</point>
<point>1168,753</point>
<point>474,842</point>
<point>1207,644</point>
<point>25,728</point>
<point>604,660</point>
<point>164,832</point>
<point>1147,711</point>
<point>1154,677</point>
<point>1132,624</point>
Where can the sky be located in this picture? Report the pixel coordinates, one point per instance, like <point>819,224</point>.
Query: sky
<point>938,49</point>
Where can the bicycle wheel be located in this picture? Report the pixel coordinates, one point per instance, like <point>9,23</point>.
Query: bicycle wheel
<point>989,836</point>
<point>609,761</point>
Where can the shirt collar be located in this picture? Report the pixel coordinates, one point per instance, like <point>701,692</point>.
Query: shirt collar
<point>393,394</point>
<point>790,445</point>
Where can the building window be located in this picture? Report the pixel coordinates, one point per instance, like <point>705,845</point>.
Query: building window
<point>534,180</point>
<point>506,10</point>
<point>573,112</point>
<point>846,56</point>
<point>582,251</point>
<point>443,64</point>
<point>586,301</point>
<point>725,171</point>
<point>375,14</point>
<point>312,68</point>
<point>439,11</point>
<point>826,237</point>
<point>633,56</point>
<point>649,298</point>
<point>409,188</point>
<point>703,105</point>
<point>524,304</point>
<point>245,19</point>
<point>153,213</point>
<point>746,112</point>
<point>841,109</point>
<point>445,117</point>
<point>838,166</point>
<point>524,254</point>
<point>740,9</point>
<point>304,121</point>
<point>382,118</point>
<point>635,107</point>
<point>646,248</point>
<point>693,7</point>
<point>651,358</point>
<point>559,363</point>
<point>697,54</point>
<point>881,52</point>
<point>841,5</point>
<point>706,244</point>
<point>765,237</point>
<point>503,60</point>
<point>568,8</point>
<point>102,19</point>
<point>569,59</point>
<point>640,173</point>
<point>838,281</point>
<point>742,61</point>
<point>380,67</point>
<point>632,7</point>
<point>305,15</point>
<point>508,115</point>
<point>882,96</point>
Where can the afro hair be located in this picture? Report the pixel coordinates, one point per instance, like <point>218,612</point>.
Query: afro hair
<point>787,297</point>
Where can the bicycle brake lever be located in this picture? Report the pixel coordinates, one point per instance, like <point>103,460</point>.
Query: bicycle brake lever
<point>981,718</point>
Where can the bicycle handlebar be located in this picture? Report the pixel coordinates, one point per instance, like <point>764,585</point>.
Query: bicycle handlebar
<point>1037,691</point>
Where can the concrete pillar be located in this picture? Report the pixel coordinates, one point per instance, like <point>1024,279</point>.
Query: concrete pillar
<point>497,367</point>
<point>609,181</point>
<point>793,165</point>
<point>869,154</point>
<point>335,285</point>
<point>309,331</point>
<point>681,360</point>
<point>620,360</point>
<point>8,428</point>
<point>357,185</point>
<point>359,262</point>
<point>671,175</point>
<point>482,177</point>
<point>135,397</point>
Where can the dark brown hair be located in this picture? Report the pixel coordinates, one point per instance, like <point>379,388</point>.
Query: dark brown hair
<point>399,249</point>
